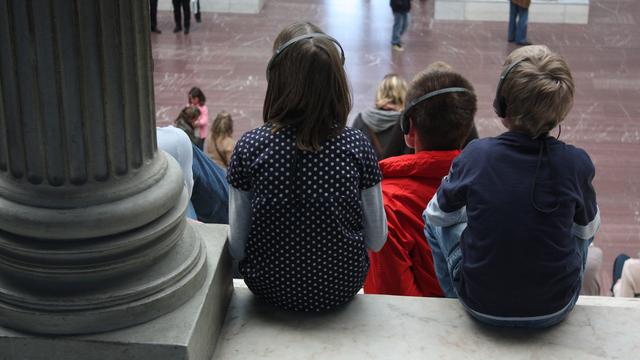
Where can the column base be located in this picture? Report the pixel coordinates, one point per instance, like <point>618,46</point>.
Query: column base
<point>189,332</point>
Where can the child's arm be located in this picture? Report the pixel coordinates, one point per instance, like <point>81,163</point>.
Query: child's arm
<point>448,205</point>
<point>239,221</point>
<point>586,220</point>
<point>375,219</point>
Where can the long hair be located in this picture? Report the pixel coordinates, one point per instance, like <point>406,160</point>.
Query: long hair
<point>391,91</point>
<point>222,126</point>
<point>307,88</point>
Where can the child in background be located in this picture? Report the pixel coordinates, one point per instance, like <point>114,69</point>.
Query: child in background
<point>219,144</point>
<point>305,199</point>
<point>401,9</point>
<point>437,124</point>
<point>197,99</point>
<point>186,122</point>
<point>510,225</point>
<point>382,123</point>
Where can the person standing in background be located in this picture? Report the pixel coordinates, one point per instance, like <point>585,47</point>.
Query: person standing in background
<point>153,14</point>
<point>181,10</point>
<point>195,8</point>
<point>400,10</point>
<point>518,29</point>
<point>196,98</point>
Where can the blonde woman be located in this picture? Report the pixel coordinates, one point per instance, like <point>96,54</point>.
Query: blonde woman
<point>381,124</point>
<point>219,144</point>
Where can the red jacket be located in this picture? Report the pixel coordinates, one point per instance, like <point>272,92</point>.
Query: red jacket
<point>404,266</point>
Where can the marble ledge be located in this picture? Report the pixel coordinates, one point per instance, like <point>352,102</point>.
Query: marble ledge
<point>384,327</point>
<point>224,6</point>
<point>541,11</point>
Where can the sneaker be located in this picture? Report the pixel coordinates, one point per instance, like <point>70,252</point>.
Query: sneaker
<point>397,47</point>
<point>186,31</point>
<point>524,43</point>
<point>177,29</point>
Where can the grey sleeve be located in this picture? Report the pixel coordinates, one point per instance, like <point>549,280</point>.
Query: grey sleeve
<point>375,219</point>
<point>239,221</point>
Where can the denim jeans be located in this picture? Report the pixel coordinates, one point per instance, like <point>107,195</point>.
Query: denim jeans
<point>518,31</point>
<point>400,24</point>
<point>447,256</point>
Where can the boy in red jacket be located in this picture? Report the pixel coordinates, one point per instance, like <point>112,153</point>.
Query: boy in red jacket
<point>436,123</point>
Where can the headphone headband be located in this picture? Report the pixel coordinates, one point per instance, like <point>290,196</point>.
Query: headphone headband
<point>404,121</point>
<point>499,102</point>
<point>294,40</point>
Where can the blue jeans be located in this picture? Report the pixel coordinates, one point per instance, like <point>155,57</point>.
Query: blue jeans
<point>447,256</point>
<point>518,32</point>
<point>400,24</point>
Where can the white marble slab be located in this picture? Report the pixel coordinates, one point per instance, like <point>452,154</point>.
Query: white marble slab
<point>390,327</point>
<point>232,6</point>
<point>541,11</point>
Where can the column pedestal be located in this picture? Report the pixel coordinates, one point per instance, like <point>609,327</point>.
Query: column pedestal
<point>188,333</point>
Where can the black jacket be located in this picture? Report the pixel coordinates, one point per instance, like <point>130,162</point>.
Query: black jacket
<point>400,5</point>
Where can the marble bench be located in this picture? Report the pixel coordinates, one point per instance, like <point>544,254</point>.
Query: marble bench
<point>541,11</point>
<point>394,327</point>
<point>225,6</point>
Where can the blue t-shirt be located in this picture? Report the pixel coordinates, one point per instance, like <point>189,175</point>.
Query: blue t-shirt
<point>306,249</point>
<point>517,260</point>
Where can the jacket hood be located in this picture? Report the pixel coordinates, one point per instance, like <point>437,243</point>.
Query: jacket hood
<point>424,164</point>
<point>380,120</point>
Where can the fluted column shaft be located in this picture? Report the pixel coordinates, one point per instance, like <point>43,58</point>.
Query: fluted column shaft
<point>91,215</point>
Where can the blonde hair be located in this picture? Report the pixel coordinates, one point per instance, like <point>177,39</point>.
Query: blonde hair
<point>391,91</point>
<point>539,90</point>
<point>222,126</point>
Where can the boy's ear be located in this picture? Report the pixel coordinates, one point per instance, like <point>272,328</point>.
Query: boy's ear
<point>410,138</point>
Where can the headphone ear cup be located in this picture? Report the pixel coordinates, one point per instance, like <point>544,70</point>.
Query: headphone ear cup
<point>404,123</point>
<point>503,107</point>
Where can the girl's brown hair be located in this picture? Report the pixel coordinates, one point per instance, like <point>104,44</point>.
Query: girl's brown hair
<point>307,88</point>
<point>185,121</point>
<point>195,92</point>
<point>222,126</point>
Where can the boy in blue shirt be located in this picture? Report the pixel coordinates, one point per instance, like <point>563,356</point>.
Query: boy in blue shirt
<point>510,225</point>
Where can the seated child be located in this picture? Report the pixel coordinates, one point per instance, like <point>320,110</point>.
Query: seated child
<point>626,276</point>
<point>381,124</point>
<point>510,225</point>
<point>438,126</point>
<point>219,143</point>
<point>185,122</point>
<point>305,199</point>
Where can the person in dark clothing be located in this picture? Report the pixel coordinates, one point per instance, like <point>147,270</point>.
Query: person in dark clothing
<point>181,10</point>
<point>510,225</point>
<point>400,10</point>
<point>381,124</point>
<point>196,10</point>
<point>153,14</point>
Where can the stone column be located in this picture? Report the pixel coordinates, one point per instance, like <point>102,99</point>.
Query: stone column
<point>92,229</point>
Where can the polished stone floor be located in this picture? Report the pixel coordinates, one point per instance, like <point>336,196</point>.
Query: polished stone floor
<point>226,56</point>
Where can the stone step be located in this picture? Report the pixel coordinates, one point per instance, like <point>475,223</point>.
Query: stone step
<point>395,327</point>
<point>540,11</point>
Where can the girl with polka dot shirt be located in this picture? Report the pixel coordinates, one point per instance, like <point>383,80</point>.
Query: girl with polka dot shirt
<point>305,199</point>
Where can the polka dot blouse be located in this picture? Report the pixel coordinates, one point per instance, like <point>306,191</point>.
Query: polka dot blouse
<point>305,249</point>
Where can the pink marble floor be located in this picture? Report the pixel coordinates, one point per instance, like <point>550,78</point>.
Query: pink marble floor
<point>226,56</point>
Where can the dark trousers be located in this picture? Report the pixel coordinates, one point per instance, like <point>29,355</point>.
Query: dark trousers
<point>153,12</point>
<point>186,13</point>
<point>197,14</point>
